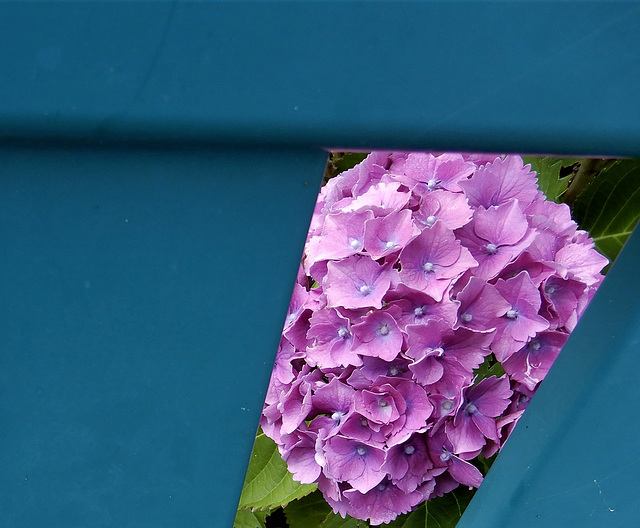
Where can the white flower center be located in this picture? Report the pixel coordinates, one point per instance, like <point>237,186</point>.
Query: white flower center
<point>492,249</point>
<point>466,317</point>
<point>512,314</point>
<point>427,267</point>
<point>384,329</point>
<point>447,406</point>
<point>430,220</point>
<point>409,450</point>
<point>365,289</point>
<point>343,333</point>
<point>361,450</point>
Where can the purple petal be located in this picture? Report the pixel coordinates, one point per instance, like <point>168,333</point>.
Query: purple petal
<point>382,504</point>
<point>385,235</point>
<point>357,282</point>
<point>480,306</point>
<point>500,181</point>
<point>352,461</point>
<point>378,335</point>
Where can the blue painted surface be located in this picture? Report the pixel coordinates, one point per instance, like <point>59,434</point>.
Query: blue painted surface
<point>143,291</point>
<point>124,322</point>
<point>509,76</point>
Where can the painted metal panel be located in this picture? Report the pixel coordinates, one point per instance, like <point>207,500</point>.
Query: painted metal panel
<point>112,296</point>
<point>143,291</point>
<point>507,76</point>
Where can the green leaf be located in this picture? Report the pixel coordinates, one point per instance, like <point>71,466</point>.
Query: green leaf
<point>440,512</point>
<point>268,483</point>
<point>484,464</point>
<point>346,160</point>
<point>489,367</point>
<point>334,520</point>
<point>609,207</point>
<point>249,519</point>
<point>414,519</point>
<point>313,511</point>
<point>341,161</point>
<point>445,512</point>
<point>552,179</point>
<point>307,512</point>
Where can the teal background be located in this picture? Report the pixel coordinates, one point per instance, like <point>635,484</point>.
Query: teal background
<point>160,161</point>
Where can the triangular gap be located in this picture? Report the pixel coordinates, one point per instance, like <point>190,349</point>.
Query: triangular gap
<point>318,440</point>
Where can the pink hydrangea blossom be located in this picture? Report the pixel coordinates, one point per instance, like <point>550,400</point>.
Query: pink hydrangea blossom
<point>421,272</point>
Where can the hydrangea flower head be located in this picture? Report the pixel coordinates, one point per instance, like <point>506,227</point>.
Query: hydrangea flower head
<point>419,269</point>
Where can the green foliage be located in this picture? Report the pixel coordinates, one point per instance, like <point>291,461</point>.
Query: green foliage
<point>249,519</point>
<point>307,512</point>
<point>268,483</point>
<point>313,511</point>
<point>490,367</point>
<point>335,521</point>
<point>345,160</point>
<point>609,207</point>
<point>341,161</point>
<point>553,175</point>
<point>441,512</point>
<point>484,464</point>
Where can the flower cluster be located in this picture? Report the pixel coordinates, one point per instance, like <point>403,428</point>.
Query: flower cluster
<point>418,270</point>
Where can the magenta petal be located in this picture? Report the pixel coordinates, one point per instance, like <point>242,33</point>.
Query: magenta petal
<point>418,407</point>
<point>357,282</point>
<point>382,504</point>
<point>381,198</point>
<point>465,473</point>
<point>503,225</point>
<point>496,237</point>
<point>432,260</point>
<point>491,396</point>
<point>385,235</point>
<point>531,364</point>
<point>464,436</point>
<point>300,459</point>
<point>563,297</point>
<point>520,288</point>
<point>342,235</point>
<point>451,208</point>
<point>582,262</point>
<point>378,335</point>
<point>427,370</point>
<point>486,425</point>
<point>382,404</point>
<point>330,340</point>
<point>416,307</point>
<point>500,181</point>
<point>334,398</point>
<point>352,461</point>
<point>480,306</point>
